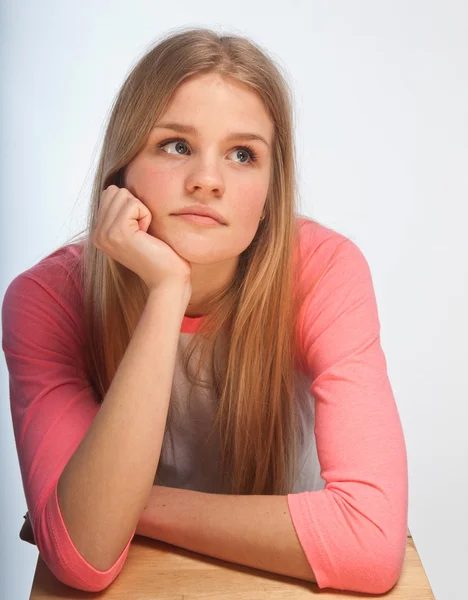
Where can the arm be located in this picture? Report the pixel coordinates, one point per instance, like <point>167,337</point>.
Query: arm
<point>105,485</point>
<point>255,531</point>
<point>354,530</point>
<point>53,406</point>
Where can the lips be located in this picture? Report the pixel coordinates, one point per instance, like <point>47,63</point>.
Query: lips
<point>200,220</point>
<point>201,211</point>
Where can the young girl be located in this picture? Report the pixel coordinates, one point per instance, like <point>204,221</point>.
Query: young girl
<point>204,366</point>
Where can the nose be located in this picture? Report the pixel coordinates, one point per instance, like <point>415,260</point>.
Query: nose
<point>205,177</point>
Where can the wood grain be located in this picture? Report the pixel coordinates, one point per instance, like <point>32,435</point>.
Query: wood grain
<point>155,570</point>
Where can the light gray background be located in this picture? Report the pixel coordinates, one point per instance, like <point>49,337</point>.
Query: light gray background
<point>381,93</point>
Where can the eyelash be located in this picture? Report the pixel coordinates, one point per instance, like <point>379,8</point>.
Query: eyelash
<point>250,150</point>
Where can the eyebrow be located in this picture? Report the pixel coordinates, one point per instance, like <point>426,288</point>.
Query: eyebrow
<point>235,135</point>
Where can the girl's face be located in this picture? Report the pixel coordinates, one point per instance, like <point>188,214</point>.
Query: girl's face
<point>205,165</point>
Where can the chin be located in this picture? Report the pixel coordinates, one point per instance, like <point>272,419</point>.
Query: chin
<point>202,249</point>
<point>203,252</point>
<point>201,258</point>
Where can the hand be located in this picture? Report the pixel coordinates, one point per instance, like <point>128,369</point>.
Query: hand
<point>120,232</point>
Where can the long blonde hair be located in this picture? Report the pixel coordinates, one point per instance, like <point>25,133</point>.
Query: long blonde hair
<point>254,319</point>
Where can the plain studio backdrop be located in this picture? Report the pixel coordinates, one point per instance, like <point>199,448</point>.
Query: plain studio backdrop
<point>381,97</point>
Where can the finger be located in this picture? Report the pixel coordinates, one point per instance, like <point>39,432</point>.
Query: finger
<point>105,200</point>
<point>112,202</point>
<point>130,214</point>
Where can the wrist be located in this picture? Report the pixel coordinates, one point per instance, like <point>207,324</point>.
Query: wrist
<point>177,291</point>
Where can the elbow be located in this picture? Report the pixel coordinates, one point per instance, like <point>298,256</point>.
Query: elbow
<point>70,579</point>
<point>60,555</point>
<point>85,586</point>
<point>76,575</point>
<point>381,571</point>
<point>74,572</point>
<point>86,579</point>
<point>372,563</point>
<point>383,578</point>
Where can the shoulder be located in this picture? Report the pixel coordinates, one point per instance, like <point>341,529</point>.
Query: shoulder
<point>338,304</point>
<point>318,247</point>
<point>62,266</point>
<point>65,262</point>
<point>52,285</point>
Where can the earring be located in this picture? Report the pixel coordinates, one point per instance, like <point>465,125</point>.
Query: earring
<point>262,217</point>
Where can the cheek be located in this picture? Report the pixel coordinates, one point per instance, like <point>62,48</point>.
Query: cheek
<point>245,213</point>
<point>153,186</point>
<point>248,205</point>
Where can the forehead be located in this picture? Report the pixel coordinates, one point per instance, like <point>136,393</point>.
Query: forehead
<point>210,100</point>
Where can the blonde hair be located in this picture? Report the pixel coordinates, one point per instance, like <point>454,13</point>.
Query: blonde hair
<point>254,319</point>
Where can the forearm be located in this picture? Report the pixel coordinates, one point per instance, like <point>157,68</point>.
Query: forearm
<point>255,531</point>
<point>105,485</point>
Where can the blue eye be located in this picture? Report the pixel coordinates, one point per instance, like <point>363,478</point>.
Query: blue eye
<point>167,142</point>
<point>250,151</point>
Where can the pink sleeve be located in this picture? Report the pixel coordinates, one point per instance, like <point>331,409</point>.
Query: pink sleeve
<point>52,407</point>
<point>353,531</point>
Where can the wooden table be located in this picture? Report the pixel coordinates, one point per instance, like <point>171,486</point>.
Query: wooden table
<point>155,570</point>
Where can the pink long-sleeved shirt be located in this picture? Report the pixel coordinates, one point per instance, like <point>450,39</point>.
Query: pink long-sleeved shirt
<point>349,505</point>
